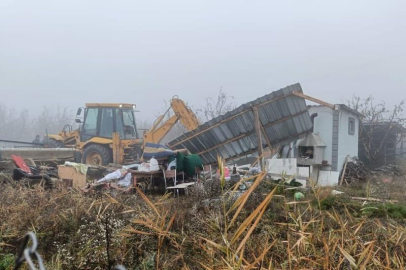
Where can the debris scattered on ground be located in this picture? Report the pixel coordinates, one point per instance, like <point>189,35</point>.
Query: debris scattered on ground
<point>373,200</point>
<point>299,196</point>
<point>390,169</point>
<point>336,192</point>
<point>356,171</point>
<point>73,175</point>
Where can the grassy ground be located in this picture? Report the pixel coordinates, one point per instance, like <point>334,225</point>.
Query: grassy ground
<point>218,228</point>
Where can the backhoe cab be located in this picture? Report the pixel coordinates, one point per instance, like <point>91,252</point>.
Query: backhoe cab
<point>107,134</point>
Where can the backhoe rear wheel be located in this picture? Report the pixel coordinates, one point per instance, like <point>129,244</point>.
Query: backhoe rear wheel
<point>95,154</point>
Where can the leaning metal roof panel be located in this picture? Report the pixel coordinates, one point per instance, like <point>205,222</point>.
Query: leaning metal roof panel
<point>283,116</point>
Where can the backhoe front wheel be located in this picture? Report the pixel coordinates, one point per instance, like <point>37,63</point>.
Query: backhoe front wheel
<point>97,155</point>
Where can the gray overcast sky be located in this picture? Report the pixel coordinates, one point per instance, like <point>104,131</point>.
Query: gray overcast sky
<point>76,51</point>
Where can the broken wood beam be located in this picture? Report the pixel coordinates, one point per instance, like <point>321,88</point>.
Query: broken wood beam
<point>266,138</point>
<point>345,168</point>
<point>373,200</point>
<point>315,100</point>
<point>259,136</point>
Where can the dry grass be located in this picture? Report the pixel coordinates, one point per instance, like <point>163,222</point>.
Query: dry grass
<point>261,228</point>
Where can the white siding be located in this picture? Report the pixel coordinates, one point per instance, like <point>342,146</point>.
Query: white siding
<point>323,124</point>
<point>348,144</point>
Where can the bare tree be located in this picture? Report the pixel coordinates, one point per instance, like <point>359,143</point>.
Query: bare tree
<point>142,125</point>
<point>14,125</point>
<point>21,126</point>
<point>218,106</point>
<point>164,115</point>
<point>212,108</point>
<point>52,120</point>
<point>379,127</point>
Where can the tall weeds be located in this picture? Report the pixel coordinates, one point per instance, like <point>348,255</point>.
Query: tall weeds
<point>280,233</point>
<point>262,227</point>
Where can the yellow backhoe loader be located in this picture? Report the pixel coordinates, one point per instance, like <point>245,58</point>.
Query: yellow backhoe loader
<point>108,132</point>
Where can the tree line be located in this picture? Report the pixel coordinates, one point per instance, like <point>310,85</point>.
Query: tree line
<point>21,125</point>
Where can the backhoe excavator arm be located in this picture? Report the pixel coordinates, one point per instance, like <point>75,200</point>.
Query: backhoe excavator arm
<point>186,115</point>
<point>182,113</point>
<point>156,135</point>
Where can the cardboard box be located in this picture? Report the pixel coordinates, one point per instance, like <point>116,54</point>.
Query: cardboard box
<point>70,177</point>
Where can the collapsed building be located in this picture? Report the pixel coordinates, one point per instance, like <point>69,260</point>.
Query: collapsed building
<point>314,141</point>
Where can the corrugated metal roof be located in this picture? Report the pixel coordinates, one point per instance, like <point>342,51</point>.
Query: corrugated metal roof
<point>284,118</point>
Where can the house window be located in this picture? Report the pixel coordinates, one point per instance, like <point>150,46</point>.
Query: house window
<point>351,126</point>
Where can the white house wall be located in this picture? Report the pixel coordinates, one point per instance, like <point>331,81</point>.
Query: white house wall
<point>323,125</point>
<point>332,127</point>
<point>348,144</point>
<point>287,167</point>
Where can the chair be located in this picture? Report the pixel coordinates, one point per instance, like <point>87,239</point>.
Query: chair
<point>168,174</point>
<point>206,170</point>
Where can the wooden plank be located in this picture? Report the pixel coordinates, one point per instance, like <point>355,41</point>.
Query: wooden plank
<point>315,100</point>
<point>180,186</point>
<point>259,135</point>
<point>268,142</point>
<point>345,168</point>
<point>146,174</point>
<point>373,200</point>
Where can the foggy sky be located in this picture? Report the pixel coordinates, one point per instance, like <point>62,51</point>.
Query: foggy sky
<point>76,51</point>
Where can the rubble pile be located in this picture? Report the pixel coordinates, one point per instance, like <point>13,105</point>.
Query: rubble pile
<point>390,169</point>
<point>356,171</point>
